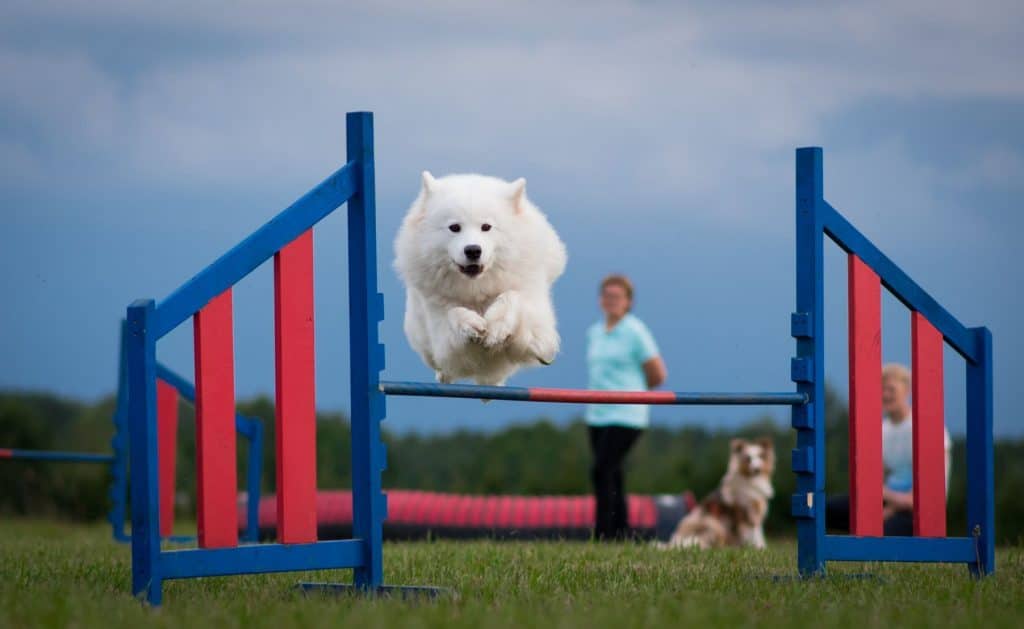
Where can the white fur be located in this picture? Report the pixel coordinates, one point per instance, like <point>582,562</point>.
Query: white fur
<point>487,326</point>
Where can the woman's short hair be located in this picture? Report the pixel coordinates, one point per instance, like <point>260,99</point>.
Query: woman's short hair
<point>897,372</point>
<point>617,279</point>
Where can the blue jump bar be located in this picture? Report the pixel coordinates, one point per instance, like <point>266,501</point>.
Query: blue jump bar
<point>181,564</point>
<point>55,455</point>
<point>899,283</point>
<point>260,246</point>
<point>912,549</point>
<point>584,396</point>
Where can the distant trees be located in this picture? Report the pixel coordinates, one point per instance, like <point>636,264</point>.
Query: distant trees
<point>44,422</point>
<point>535,458</point>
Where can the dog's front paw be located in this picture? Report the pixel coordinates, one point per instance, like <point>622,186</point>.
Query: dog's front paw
<point>498,330</point>
<point>502,318</point>
<point>467,324</point>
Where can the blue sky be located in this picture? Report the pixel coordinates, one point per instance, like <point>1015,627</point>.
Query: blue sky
<point>138,142</point>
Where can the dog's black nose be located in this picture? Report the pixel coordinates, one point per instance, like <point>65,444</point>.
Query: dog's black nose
<point>472,252</point>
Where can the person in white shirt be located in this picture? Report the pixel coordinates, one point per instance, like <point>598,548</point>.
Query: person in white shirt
<point>897,459</point>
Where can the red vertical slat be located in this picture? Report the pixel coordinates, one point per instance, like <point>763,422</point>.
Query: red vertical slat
<point>296,395</point>
<point>215,424</point>
<point>167,443</point>
<point>929,429</point>
<point>865,321</point>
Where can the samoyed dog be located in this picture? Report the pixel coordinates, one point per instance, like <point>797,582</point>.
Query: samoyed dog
<point>478,260</point>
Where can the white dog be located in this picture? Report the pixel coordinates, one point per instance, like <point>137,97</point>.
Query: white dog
<point>478,261</point>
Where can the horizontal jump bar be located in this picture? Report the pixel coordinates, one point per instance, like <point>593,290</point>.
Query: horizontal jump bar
<point>202,562</point>
<point>912,549</point>
<point>584,396</point>
<point>55,455</point>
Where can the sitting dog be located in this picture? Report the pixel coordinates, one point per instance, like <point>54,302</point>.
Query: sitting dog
<point>478,260</point>
<point>733,515</point>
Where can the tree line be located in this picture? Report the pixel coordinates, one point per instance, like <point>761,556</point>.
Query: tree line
<point>540,457</point>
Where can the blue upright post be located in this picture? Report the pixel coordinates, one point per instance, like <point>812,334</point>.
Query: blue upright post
<point>366,310</point>
<point>255,471</point>
<point>980,480</point>
<point>808,368</point>
<point>143,452</point>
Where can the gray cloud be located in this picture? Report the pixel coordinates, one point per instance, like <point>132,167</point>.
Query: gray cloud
<point>185,91</point>
<point>164,128</point>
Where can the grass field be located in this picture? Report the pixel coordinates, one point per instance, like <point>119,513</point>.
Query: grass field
<point>59,575</point>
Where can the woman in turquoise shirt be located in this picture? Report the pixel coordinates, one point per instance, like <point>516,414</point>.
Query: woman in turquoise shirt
<point>621,356</point>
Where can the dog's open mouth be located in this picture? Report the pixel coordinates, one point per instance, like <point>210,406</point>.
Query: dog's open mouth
<point>471,270</point>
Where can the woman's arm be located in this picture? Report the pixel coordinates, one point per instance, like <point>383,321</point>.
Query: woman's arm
<point>898,500</point>
<point>655,372</point>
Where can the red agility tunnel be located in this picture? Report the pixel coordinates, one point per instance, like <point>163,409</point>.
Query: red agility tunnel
<point>419,514</point>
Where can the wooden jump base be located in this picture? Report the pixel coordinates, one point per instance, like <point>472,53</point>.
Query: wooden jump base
<point>206,299</point>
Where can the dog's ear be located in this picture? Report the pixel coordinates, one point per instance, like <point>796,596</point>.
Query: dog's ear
<point>736,445</point>
<point>429,183</point>
<point>516,191</point>
<point>766,443</point>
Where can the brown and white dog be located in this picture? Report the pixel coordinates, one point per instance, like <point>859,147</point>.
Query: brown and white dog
<point>733,515</point>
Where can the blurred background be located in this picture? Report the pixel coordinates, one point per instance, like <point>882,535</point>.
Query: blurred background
<point>140,141</point>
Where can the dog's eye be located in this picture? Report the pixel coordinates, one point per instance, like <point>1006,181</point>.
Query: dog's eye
<point>485,227</point>
<point>455,227</point>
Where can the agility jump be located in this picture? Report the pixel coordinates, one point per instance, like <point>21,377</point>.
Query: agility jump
<point>931,324</point>
<point>288,240</point>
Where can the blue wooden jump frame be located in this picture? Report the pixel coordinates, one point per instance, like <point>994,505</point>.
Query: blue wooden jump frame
<point>815,218</point>
<point>354,184</point>
<point>148,322</point>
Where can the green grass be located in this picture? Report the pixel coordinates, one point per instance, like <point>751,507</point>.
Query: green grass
<point>62,575</point>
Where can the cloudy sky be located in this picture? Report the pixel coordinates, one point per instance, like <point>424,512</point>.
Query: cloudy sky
<point>138,141</point>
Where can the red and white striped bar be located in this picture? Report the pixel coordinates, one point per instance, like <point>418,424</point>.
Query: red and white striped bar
<point>295,418</point>
<point>929,429</point>
<point>216,476</point>
<point>865,332</point>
